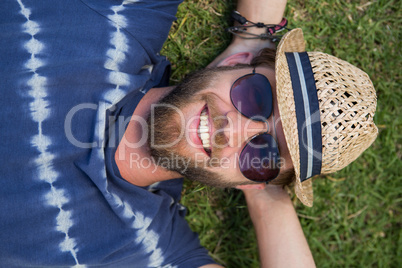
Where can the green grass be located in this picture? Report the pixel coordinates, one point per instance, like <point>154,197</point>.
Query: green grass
<point>356,217</point>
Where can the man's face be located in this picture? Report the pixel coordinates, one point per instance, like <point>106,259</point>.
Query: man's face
<point>197,131</point>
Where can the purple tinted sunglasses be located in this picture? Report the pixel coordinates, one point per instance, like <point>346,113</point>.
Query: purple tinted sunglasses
<point>251,95</point>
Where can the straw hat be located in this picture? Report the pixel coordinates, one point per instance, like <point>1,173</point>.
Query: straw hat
<point>327,107</point>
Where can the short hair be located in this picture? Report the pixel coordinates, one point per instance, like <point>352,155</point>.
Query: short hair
<point>265,57</point>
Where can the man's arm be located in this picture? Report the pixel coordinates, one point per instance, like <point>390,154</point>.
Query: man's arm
<point>266,11</point>
<point>281,241</point>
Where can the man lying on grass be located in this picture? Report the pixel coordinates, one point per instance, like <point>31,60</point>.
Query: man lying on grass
<point>104,142</point>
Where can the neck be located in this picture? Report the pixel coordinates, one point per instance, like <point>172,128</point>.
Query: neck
<point>132,155</point>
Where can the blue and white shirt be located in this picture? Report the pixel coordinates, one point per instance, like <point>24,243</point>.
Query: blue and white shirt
<point>68,70</point>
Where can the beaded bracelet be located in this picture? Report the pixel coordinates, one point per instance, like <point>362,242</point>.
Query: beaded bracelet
<point>270,34</point>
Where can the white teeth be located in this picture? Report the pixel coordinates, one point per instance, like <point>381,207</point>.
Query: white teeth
<point>203,130</point>
<point>204,136</point>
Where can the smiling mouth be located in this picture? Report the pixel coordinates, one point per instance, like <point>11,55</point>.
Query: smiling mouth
<point>204,131</point>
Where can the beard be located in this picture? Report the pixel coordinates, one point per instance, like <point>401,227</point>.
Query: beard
<point>165,129</point>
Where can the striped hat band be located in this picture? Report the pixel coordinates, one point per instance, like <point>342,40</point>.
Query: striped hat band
<point>307,114</point>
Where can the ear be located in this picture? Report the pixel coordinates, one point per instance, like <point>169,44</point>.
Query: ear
<point>259,186</point>
<point>241,57</point>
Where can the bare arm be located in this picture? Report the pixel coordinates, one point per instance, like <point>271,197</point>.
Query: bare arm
<point>266,11</point>
<point>281,241</point>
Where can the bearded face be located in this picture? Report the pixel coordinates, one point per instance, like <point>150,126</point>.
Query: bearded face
<point>196,131</point>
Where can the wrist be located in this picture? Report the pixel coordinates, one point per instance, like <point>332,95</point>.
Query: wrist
<point>255,33</point>
<point>270,12</point>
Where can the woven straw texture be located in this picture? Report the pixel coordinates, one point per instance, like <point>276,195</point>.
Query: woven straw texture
<point>347,104</point>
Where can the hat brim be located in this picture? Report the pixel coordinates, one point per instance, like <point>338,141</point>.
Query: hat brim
<point>293,41</point>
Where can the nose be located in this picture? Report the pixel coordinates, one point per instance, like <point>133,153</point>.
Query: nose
<point>240,128</point>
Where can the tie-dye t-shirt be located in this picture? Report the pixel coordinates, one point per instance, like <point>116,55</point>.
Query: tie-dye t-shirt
<point>71,75</point>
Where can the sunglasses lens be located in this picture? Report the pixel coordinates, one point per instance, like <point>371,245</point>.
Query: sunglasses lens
<point>260,161</point>
<point>252,96</point>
